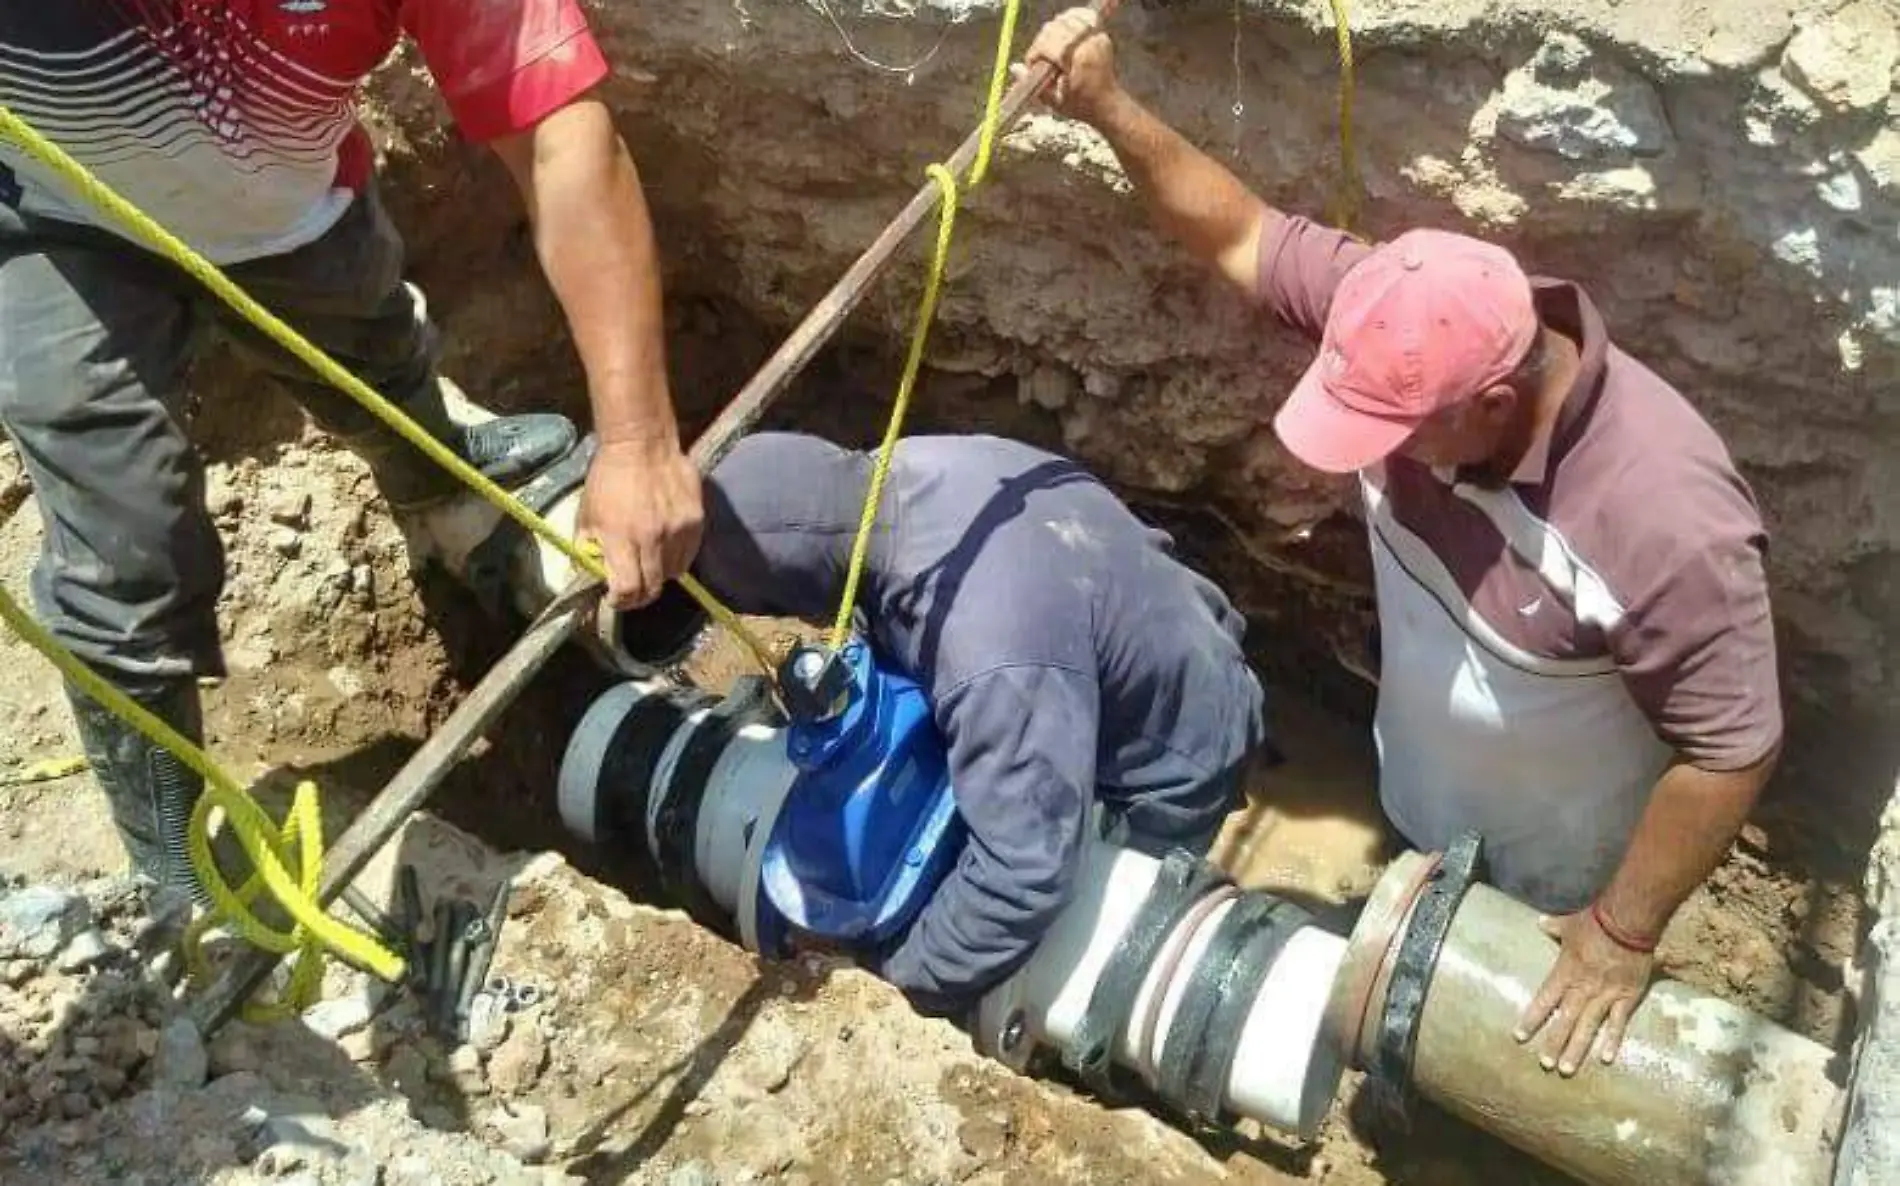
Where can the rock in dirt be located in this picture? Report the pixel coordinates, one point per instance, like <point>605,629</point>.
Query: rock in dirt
<point>516,1064</point>
<point>181,1060</point>
<point>235,1049</point>
<point>1563,102</point>
<point>465,1071</point>
<point>37,921</point>
<point>1847,60</point>
<point>693,1173</point>
<point>407,1070</point>
<point>300,1135</point>
<point>523,1129</point>
<point>983,1138</point>
<point>487,1024</point>
<point>88,949</point>
<point>361,1168</point>
<point>290,508</point>
<point>344,1015</point>
<point>359,1046</point>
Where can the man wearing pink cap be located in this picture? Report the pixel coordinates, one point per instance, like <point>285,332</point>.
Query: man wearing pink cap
<point>1578,657</point>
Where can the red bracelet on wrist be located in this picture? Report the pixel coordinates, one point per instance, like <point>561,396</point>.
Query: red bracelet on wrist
<point>1618,935</point>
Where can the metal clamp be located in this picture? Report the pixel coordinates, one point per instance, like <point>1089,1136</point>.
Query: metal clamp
<point>1390,1077</point>
<point>1181,881</point>
<point>675,825</point>
<point>1205,1035</point>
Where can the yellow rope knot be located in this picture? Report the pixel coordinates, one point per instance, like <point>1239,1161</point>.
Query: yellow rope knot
<point>269,848</point>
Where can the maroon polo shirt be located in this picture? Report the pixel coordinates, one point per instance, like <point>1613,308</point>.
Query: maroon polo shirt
<point>1551,645</point>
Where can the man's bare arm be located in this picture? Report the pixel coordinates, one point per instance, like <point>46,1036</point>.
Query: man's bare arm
<point>1190,196</point>
<point>1692,818</point>
<point>594,236</point>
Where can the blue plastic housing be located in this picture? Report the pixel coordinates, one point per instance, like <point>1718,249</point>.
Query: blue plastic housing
<point>870,827</point>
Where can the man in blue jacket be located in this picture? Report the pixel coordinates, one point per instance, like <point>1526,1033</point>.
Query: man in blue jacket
<point>1067,655</point>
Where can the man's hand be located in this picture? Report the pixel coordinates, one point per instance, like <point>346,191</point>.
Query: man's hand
<point>1084,83</point>
<point>1589,996</point>
<point>643,506</point>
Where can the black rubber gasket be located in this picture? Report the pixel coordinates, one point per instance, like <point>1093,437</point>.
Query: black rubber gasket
<point>1218,999</point>
<point>632,759</point>
<point>1181,881</point>
<point>676,825</point>
<point>1390,1078</point>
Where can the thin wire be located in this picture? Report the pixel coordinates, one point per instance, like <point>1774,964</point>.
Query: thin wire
<point>1240,107</point>
<point>907,72</point>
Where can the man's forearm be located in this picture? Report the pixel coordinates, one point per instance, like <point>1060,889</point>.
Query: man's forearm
<point>1190,196</point>
<point>1685,832</point>
<point>595,239</point>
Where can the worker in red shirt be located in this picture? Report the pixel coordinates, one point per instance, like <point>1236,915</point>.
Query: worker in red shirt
<point>1577,649</point>
<point>231,123</point>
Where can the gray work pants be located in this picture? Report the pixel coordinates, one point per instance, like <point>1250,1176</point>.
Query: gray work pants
<point>96,339</point>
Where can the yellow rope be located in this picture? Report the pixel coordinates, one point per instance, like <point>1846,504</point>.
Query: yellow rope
<point>993,104</point>
<point>46,770</point>
<point>933,288</point>
<point>166,244</point>
<point>926,313</point>
<point>268,847</point>
<point>1346,204</point>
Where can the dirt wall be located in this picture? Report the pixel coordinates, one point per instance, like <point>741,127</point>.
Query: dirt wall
<point>1724,178</point>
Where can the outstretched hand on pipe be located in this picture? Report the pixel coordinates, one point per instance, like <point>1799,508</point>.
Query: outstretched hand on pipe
<point>1589,996</point>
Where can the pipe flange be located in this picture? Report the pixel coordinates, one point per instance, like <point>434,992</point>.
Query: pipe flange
<point>1182,880</point>
<point>1369,950</point>
<point>1199,1060</point>
<point>675,825</point>
<point>754,935</point>
<point>615,750</point>
<point>1390,1077</point>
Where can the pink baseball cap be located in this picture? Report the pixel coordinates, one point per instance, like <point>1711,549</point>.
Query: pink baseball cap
<point>1424,322</point>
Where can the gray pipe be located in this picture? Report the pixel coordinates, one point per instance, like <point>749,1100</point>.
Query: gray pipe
<point>1702,1094</point>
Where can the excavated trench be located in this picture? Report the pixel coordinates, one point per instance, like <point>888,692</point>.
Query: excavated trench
<point>1723,179</point>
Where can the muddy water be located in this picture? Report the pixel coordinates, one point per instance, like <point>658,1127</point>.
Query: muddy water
<point>1312,826</point>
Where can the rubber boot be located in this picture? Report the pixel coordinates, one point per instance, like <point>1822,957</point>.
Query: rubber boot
<point>151,793</point>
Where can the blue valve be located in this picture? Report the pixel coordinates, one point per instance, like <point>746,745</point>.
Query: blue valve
<point>870,826</point>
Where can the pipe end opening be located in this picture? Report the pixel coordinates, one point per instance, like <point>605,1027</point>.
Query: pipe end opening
<point>656,637</point>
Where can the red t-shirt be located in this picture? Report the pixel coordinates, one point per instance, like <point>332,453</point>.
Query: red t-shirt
<point>231,121</point>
